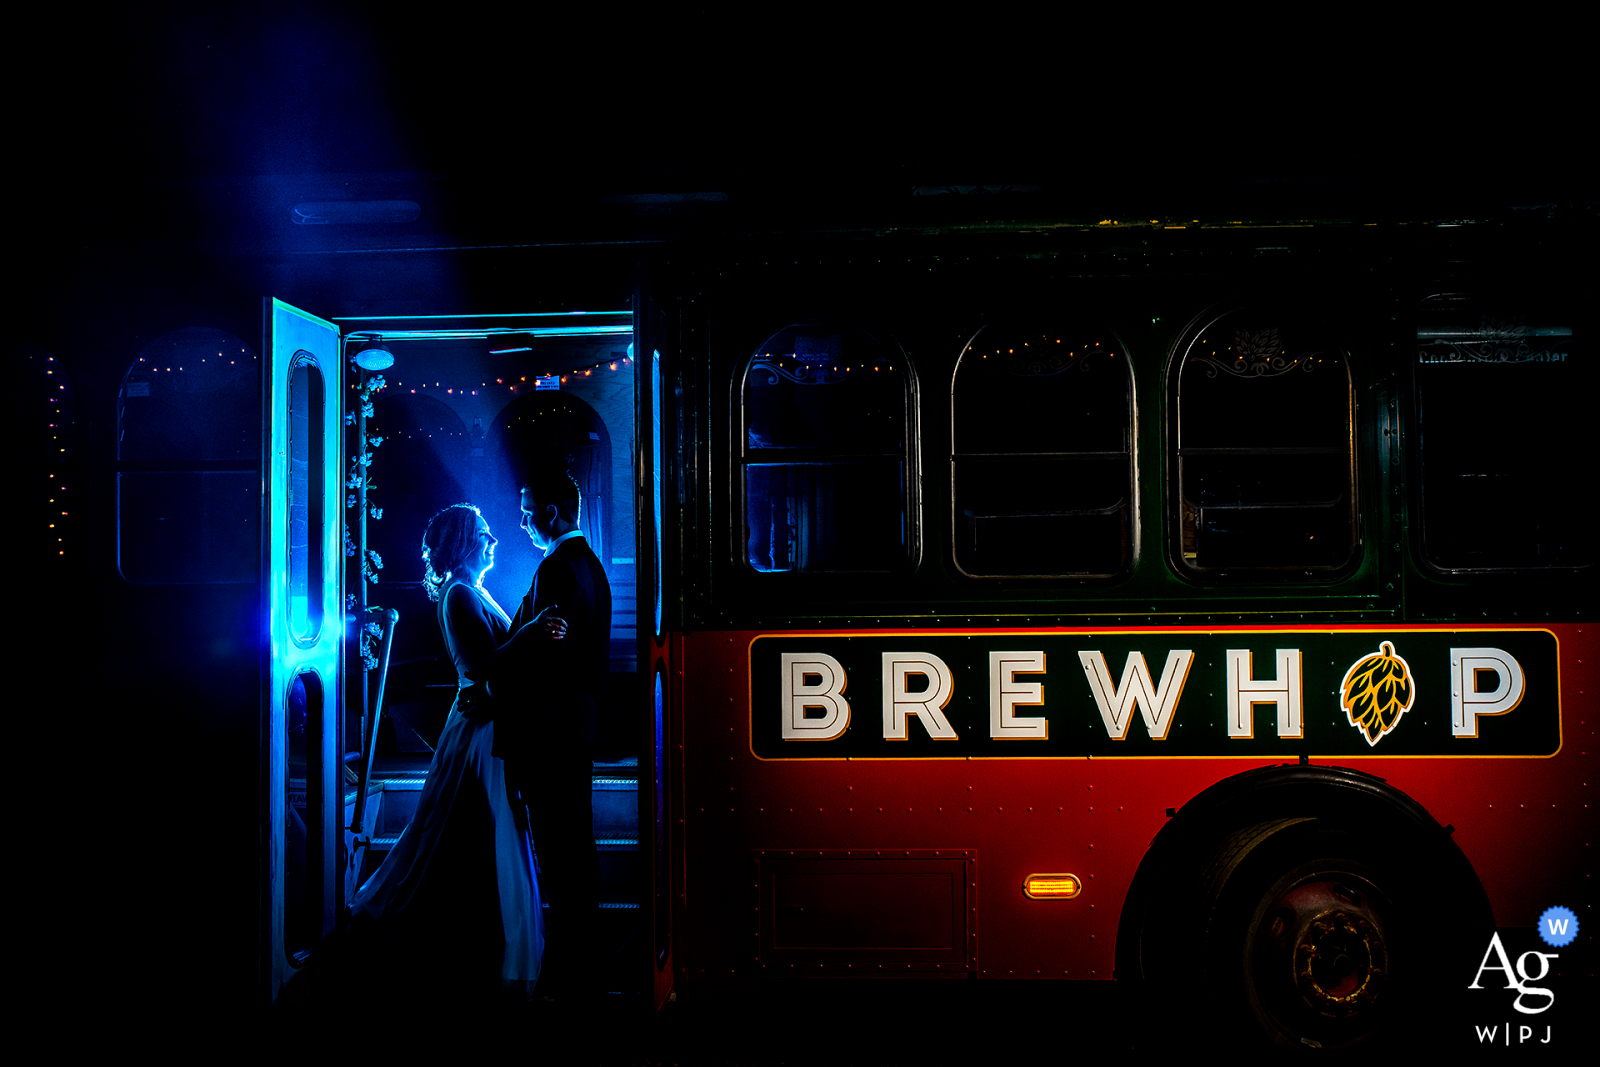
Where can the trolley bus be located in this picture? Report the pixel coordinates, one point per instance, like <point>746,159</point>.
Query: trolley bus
<point>1194,602</point>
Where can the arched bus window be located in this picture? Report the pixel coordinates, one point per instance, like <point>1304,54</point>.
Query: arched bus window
<point>1042,459</point>
<point>1503,397</point>
<point>189,452</point>
<point>827,452</point>
<point>1261,448</point>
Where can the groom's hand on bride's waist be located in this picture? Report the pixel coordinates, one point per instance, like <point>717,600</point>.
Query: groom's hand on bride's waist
<point>473,702</point>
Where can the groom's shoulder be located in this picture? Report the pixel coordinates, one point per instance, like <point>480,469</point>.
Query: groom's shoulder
<point>555,567</point>
<point>586,551</point>
<point>576,554</point>
<point>597,571</point>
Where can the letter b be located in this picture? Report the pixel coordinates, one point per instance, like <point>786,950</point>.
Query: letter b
<point>827,694</point>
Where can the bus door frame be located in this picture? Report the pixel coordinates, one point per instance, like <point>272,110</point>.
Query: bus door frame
<point>654,358</point>
<point>296,339</point>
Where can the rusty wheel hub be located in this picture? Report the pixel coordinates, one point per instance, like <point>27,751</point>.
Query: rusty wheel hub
<point>1329,936</point>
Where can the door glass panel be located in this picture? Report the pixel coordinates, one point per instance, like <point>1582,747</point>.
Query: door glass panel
<point>305,523</point>
<point>303,777</point>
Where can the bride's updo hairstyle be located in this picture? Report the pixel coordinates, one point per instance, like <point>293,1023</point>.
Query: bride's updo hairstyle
<point>450,538</point>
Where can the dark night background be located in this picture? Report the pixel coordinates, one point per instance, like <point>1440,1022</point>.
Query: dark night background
<point>156,127</point>
<point>145,136</point>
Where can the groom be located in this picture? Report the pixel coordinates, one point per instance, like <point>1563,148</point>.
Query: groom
<point>546,697</point>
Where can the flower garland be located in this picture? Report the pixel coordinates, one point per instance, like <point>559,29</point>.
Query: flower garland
<point>358,480</point>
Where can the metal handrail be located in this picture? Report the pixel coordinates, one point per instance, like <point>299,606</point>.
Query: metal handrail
<point>389,617</point>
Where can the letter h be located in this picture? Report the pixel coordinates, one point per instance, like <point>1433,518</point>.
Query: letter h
<point>1246,691</point>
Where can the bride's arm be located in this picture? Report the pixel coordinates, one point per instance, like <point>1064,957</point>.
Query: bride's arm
<point>471,637</point>
<point>476,654</point>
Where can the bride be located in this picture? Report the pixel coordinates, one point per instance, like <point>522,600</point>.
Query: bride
<point>456,902</point>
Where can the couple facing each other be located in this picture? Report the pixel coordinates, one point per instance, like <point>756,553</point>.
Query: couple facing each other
<point>459,896</point>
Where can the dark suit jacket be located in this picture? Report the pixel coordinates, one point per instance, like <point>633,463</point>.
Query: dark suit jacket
<point>547,694</point>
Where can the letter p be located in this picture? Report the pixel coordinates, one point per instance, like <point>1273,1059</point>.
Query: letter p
<point>1467,701</point>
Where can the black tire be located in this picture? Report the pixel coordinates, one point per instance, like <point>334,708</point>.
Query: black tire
<point>1314,937</point>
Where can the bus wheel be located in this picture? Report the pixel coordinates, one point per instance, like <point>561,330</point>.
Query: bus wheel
<point>1305,932</point>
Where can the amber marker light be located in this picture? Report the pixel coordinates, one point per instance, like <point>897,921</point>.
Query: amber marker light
<point>1051,886</point>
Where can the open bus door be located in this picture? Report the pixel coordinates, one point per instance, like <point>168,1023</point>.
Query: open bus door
<point>651,349</point>
<point>304,603</point>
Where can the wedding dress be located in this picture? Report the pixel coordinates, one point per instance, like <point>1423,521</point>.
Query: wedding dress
<point>458,895</point>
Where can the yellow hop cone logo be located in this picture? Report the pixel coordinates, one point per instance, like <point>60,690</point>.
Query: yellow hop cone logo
<point>1377,691</point>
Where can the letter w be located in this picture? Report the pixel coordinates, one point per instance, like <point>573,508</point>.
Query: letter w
<point>1156,703</point>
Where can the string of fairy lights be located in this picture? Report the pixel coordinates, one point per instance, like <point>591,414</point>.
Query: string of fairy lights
<point>552,380</point>
<point>1043,351</point>
<point>157,366</point>
<point>58,420</point>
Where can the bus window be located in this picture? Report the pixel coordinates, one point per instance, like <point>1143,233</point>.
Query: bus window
<point>1262,448</point>
<point>1501,404</point>
<point>1042,463</point>
<point>188,484</point>
<point>827,452</point>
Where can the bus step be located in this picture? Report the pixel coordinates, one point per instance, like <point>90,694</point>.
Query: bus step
<point>614,796</point>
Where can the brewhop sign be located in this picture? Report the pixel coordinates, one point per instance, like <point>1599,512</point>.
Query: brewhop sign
<point>1155,693</point>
